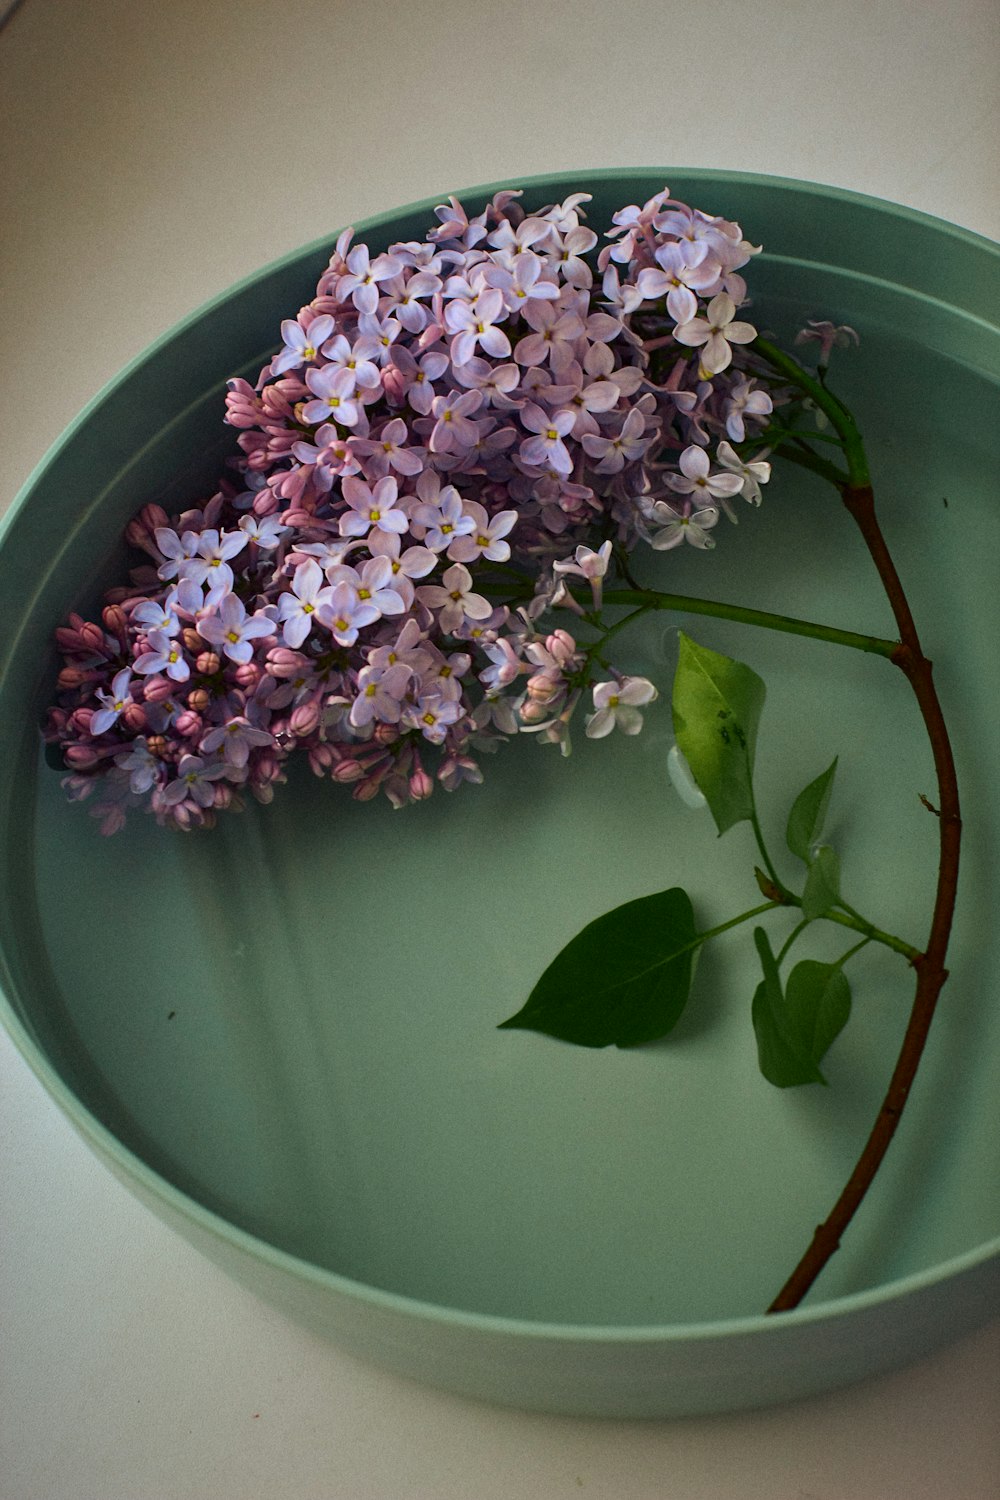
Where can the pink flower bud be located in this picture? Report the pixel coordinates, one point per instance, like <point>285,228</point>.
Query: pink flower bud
<point>206,664</point>
<point>348,770</point>
<point>223,795</point>
<point>304,718</point>
<point>561,646</point>
<point>92,637</point>
<point>248,674</point>
<point>188,724</point>
<point>73,677</point>
<point>369,788</point>
<point>533,713</point>
<point>282,661</point>
<point>156,688</point>
<point>320,758</point>
<point>421,785</point>
<point>199,699</point>
<point>81,757</point>
<point>115,621</point>
<point>79,720</point>
<point>134,717</point>
<point>386,734</point>
<point>191,639</point>
<point>112,820</point>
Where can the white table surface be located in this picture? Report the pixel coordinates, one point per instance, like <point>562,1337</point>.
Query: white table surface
<point>151,155</point>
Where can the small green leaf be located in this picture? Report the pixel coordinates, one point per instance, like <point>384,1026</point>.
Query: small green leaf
<point>623,980</point>
<point>793,1037</point>
<point>808,814</point>
<point>822,889</point>
<point>717,704</point>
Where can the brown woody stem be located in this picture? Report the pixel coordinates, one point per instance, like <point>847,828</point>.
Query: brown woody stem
<point>929,966</point>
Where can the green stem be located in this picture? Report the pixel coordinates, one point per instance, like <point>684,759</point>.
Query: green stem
<point>788,624</point>
<point>790,939</point>
<point>703,937</point>
<point>840,418</point>
<point>873,934</point>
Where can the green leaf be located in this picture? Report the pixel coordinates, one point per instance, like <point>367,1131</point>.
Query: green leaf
<point>717,704</point>
<point>623,980</point>
<point>794,1031</point>
<point>808,814</point>
<point>822,889</point>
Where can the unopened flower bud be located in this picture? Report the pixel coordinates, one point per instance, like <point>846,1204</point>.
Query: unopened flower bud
<point>320,758</point>
<point>248,674</point>
<point>81,757</point>
<point>79,720</point>
<point>386,734</point>
<point>156,745</point>
<point>207,663</point>
<point>304,719</point>
<point>116,621</point>
<point>348,770</point>
<point>222,794</point>
<point>192,639</point>
<point>73,677</point>
<point>156,688</point>
<point>199,699</point>
<point>282,661</point>
<point>92,637</point>
<point>188,724</point>
<point>421,785</point>
<point>134,717</point>
<point>533,713</point>
<point>369,788</point>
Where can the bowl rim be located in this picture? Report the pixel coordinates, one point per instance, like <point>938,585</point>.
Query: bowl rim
<point>130,1168</point>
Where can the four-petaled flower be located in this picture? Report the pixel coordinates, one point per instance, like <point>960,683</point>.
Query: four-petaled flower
<point>618,704</point>
<point>716,332</point>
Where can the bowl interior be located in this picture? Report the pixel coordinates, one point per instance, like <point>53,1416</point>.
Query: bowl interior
<point>293,1018</point>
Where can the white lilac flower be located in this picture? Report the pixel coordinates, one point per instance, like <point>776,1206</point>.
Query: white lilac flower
<point>682,523</point>
<point>142,766</point>
<point>333,390</point>
<point>696,478</point>
<point>193,782</point>
<point>474,323</point>
<point>266,533</point>
<point>554,327</point>
<point>341,354</point>
<point>586,563</point>
<point>433,715</point>
<point>372,588</point>
<point>753,472</point>
<point>301,345</point>
<point>681,270</point>
<point>176,550</point>
<point>297,608</point>
<point>455,600</point>
<point>114,702</point>
<point>444,517</point>
<point>237,737</point>
<point>164,655</point>
<point>546,447</point>
<point>372,507</point>
<point>617,704</point>
<point>715,333</point>
<point>745,401</point>
<point>612,454</point>
<point>232,630</point>
<point>484,539</point>
<point>381,691</point>
<point>209,563</point>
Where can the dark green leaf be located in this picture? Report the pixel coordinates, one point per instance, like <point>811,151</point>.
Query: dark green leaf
<point>624,979</point>
<point>808,814</point>
<point>822,889</point>
<point>793,1036</point>
<point>717,704</point>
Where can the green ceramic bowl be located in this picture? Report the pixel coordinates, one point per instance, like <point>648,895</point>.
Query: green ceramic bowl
<point>282,1036</point>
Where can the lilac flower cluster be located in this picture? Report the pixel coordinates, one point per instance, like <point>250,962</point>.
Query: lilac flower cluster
<point>456,436</point>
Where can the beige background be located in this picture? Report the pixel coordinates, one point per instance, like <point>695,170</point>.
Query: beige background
<point>150,155</point>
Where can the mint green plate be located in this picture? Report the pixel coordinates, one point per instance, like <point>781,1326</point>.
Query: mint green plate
<point>282,1036</point>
